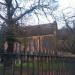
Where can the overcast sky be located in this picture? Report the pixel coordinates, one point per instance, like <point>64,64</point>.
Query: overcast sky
<point>66,3</point>
<point>62,5</point>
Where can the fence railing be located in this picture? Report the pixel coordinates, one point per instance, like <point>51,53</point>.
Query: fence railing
<point>36,64</point>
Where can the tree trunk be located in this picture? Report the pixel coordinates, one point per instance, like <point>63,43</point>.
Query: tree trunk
<point>11,37</point>
<point>10,46</point>
<point>10,40</point>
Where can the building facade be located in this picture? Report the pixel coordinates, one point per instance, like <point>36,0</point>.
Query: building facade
<point>38,38</point>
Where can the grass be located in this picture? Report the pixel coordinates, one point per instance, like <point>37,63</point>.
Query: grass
<point>1,65</point>
<point>44,65</point>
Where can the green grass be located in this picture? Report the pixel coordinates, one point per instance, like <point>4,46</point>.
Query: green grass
<point>44,65</point>
<point>1,65</point>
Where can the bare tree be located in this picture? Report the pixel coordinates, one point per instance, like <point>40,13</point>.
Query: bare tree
<point>68,37</point>
<point>12,11</point>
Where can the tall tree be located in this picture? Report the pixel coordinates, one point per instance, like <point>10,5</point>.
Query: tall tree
<point>68,33</point>
<point>12,11</point>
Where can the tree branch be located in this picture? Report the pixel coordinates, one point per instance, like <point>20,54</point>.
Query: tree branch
<point>70,17</point>
<point>37,16</point>
<point>16,5</point>
<point>14,8</point>
<point>2,3</point>
<point>26,12</point>
<point>31,9</point>
<point>2,17</point>
<point>45,14</point>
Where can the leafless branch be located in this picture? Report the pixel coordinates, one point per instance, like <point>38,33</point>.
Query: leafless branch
<point>66,22</point>
<point>14,8</point>
<point>32,9</point>
<point>36,5</point>
<point>37,16</point>
<point>16,4</point>
<point>45,14</point>
<point>51,13</point>
<point>26,12</point>
<point>2,3</point>
<point>70,17</point>
<point>2,17</point>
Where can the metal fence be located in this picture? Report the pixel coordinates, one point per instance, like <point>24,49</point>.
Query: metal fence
<point>36,64</point>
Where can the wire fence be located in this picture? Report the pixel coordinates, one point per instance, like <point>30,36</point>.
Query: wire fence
<point>36,64</point>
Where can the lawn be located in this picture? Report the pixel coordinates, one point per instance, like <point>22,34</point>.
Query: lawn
<point>39,66</point>
<point>45,65</point>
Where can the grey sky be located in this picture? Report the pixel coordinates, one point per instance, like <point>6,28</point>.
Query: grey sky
<point>42,19</point>
<point>62,5</point>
